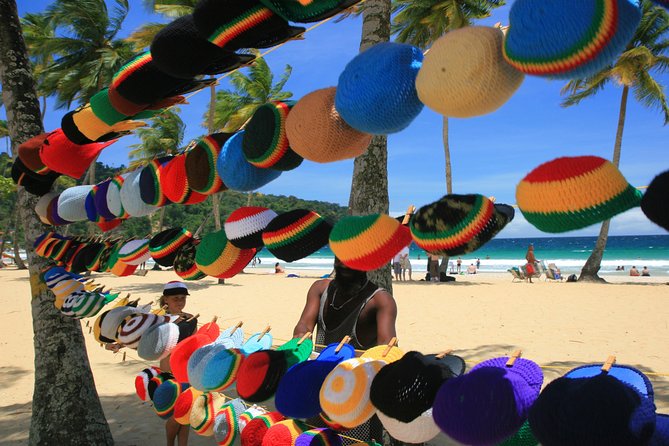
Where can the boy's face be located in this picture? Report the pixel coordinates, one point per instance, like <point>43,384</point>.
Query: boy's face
<point>176,304</point>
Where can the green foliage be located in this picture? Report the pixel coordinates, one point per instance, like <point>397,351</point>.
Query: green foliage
<point>163,137</point>
<point>7,192</point>
<point>142,37</point>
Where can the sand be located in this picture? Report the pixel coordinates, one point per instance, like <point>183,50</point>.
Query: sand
<point>558,325</point>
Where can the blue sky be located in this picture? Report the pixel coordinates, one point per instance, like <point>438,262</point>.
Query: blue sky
<point>490,154</point>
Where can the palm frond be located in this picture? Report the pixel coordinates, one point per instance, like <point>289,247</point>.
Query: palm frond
<point>142,37</point>
<point>651,94</point>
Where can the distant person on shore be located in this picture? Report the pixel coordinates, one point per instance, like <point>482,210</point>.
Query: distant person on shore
<point>405,263</point>
<point>278,269</point>
<point>253,263</point>
<point>634,272</point>
<point>433,267</point>
<point>397,266</point>
<point>478,263</point>
<point>459,265</point>
<point>471,269</point>
<point>531,261</point>
<point>645,272</point>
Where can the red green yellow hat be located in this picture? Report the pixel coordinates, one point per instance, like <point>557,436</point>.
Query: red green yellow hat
<point>296,234</point>
<point>165,245</point>
<point>217,257</point>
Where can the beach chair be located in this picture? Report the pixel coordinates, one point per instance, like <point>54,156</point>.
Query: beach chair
<point>551,273</point>
<point>517,274</point>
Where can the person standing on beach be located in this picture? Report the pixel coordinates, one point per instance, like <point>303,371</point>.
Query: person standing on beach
<point>433,267</point>
<point>405,263</point>
<point>531,261</point>
<point>478,263</point>
<point>397,267</point>
<point>459,265</point>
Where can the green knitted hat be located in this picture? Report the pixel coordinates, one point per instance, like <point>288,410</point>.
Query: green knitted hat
<point>184,262</point>
<point>524,437</point>
<point>217,257</point>
<point>308,11</point>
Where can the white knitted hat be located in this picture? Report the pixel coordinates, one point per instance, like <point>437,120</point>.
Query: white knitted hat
<point>134,326</point>
<point>420,430</point>
<point>114,203</point>
<point>131,198</point>
<point>158,341</point>
<point>244,226</point>
<point>134,252</point>
<point>72,203</point>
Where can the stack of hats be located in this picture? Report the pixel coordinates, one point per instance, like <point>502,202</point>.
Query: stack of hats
<point>571,193</point>
<point>653,203</point>
<point>150,188</point>
<point>182,353</point>
<point>135,252</point>
<point>245,225</point>
<point>142,381</point>
<point>308,11</point>
<point>33,182</point>
<point>165,245</point>
<point>81,304</point>
<point>201,164</point>
<point>226,422</point>
<point>217,257</point>
<point>61,155</point>
<point>284,433</point>
<point>236,172</point>
<point>174,182</point>
<point>133,327</point>
<point>72,203</point>
<point>296,234</point>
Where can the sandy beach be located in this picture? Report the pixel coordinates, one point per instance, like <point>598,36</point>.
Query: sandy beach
<point>558,325</point>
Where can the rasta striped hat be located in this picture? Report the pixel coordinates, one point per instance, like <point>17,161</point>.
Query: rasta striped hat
<point>255,430</point>
<point>150,188</point>
<point>565,39</point>
<point>203,413</point>
<point>114,203</point>
<point>184,404</point>
<point>574,192</point>
<point>184,262</point>
<point>265,142</point>
<point>165,245</point>
<point>244,226</point>
<point>134,252</point>
<point>284,433</point>
<point>310,11</point>
<point>165,397</point>
<point>217,257</point>
<point>174,182</point>
<point>131,198</point>
<point>458,224</point>
<point>319,437</point>
<point>368,242</point>
<point>237,173</point>
<point>142,381</point>
<point>201,164</point>
<point>226,423</point>
<point>296,234</point>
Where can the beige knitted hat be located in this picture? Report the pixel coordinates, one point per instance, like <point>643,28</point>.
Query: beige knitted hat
<point>316,131</point>
<point>464,74</point>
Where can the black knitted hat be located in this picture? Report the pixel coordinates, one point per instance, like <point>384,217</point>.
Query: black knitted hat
<point>156,381</point>
<point>235,24</point>
<point>165,245</point>
<point>33,182</point>
<point>654,201</point>
<point>81,257</point>
<point>296,234</point>
<point>187,328</point>
<point>180,51</point>
<point>265,143</point>
<point>315,11</point>
<point>149,182</point>
<point>105,256</point>
<point>201,164</point>
<point>260,374</point>
<point>72,132</point>
<point>406,388</point>
<point>91,255</point>
<point>592,411</point>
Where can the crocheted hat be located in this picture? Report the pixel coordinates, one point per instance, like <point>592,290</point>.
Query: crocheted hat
<point>248,415</point>
<point>376,92</point>
<point>184,404</point>
<point>309,11</point>
<point>174,182</point>
<point>420,430</point>
<point>265,142</point>
<point>131,198</point>
<point>217,257</point>
<point>236,24</point>
<point>319,437</point>
<point>255,430</point>
<point>344,396</point>
<point>488,404</point>
<point>571,193</point>
<point>237,173</point>
<point>202,367</point>
<point>256,342</point>
<point>142,381</point>
<point>296,234</point>
<point>283,433</point>
<point>87,303</point>
<point>464,74</point>
<point>184,262</point>
<point>158,341</point>
<point>590,37</point>
<point>653,203</point>
<point>330,352</point>
<point>226,422</point>
<point>71,203</point>
<point>245,225</point>
<point>134,326</point>
<point>182,353</point>
<point>523,437</point>
<point>110,321</point>
<point>259,375</point>
<point>318,133</point>
<point>235,335</point>
<point>368,242</point>
<point>150,188</point>
<point>29,153</point>
<point>203,413</point>
<point>297,351</point>
<point>156,381</point>
<point>114,203</point>
<point>63,156</point>
<point>42,205</point>
<point>165,245</point>
<point>201,164</point>
<point>406,388</point>
<point>458,224</point>
<point>166,396</point>
<point>33,182</point>
<point>298,393</point>
<point>134,252</point>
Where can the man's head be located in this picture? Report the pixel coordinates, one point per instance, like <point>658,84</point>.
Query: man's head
<point>347,278</point>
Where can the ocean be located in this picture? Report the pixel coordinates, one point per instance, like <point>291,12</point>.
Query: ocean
<point>498,255</point>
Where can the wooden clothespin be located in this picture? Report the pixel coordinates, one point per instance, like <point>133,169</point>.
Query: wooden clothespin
<point>193,317</point>
<point>88,323</point>
<point>239,325</point>
<point>444,353</point>
<point>493,199</point>
<point>391,344</point>
<point>213,321</point>
<point>514,356</point>
<point>609,363</point>
<point>124,356</point>
<point>90,329</point>
<point>407,215</point>
<point>341,344</point>
<point>304,338</point>
<point>264,332</point>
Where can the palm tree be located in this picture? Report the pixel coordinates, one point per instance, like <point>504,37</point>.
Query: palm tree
<point>38,28</point>
<point>647,52</point>
<point>4,133</point>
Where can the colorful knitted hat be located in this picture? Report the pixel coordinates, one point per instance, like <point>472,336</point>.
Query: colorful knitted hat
<point>173,180</point>
<point>265,142</point>
<point>94,262</point>
<point>114,203</point>
<point>226,423</point>
<point>296,234</point>
<point>244,226</point>
<point>166,396</point>
<point>590,36</point>
<point>41,208</point>
<point>180,51</point>
<point>165,245</point>
<point>131,198</point>
<point>184,262</point>
<point>248,415</point>
<point>86,303</point>
<point>203,413</point>
<point>283,433</point>
<point>524,437</point>
<point>117,267</point>
<point>236,24</point>
<point>344,396</point>
<point>91,211</point>
<point>237,173</point>
<point>135,252</point>
<point>71,203</point>
<point>110,321</point>
<point>298,393</point>
<point>182,353</point>
<point>158,341</point>
<point>234,334</point>
<point>259,375</point>
<point>142,381</point>
<point>318,133</point>
<point>217,257</point>
<point>156,381</point>
<point>150,188</point>
<point>368,242</point>
<point>345,352</point>
<point>376,92</point>
<point>62,155</point>
<point>488,404</point>
<point>571,193</point>
<point>458,224</point>
<point>319,437</point>
<point>133,327</point>
<point>420,430</point>
<point>33,182</point>
<point>464,74</point>
<point>199,359</point>
<point>184,404</point>
<point>255,430</point>
<point>653,203</point>
<point>201,164</point>
<point>308,11</point>
<point>65,288</point>
<point>29,153</point>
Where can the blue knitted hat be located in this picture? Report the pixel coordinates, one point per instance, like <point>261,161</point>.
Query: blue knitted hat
<point>237,173</point>
<point>220,369</point>
<point>198,360</point>
<point>377,89</point>
<point>255,343</point>
<point>298,394</point>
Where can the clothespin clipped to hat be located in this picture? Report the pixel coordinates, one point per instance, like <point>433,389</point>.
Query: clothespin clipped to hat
<point>197,315</point>
<point>407,215</point>
<point>264,332</point>
<point>391,344</point>
<point>304,338</point>
<point>514,356</point>
<point>606,367</point>
<point>341,344</point>
<point>239,325</point>
<point>503,28</point>
<point>492,198</point>
<point>441,355</point>
<point>213,321</point>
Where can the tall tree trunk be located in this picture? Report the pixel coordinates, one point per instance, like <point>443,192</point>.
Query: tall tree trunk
<point>447,156</point>
<point>17,251</point>
<point>65,406</point>
<point>212,129</point>
<point>43,113</point>
<point>590,270</point>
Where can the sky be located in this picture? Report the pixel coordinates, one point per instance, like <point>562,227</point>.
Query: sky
<point>489,154</point>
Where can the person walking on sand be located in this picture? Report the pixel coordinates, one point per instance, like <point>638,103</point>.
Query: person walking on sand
<point>459,265</point>
<point>405,263</point>
<point>531,260</point>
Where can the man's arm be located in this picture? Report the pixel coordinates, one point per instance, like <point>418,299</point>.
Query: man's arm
<point>309,315</point>
<point>386,314</point>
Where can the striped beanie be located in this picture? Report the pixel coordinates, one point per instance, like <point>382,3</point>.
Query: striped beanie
<point>458,224</point>
<point>296,234</point>
<point>165,245</point>
<point>180,51</point>
<point>368,242</point>
<point>131,199</point>
<point>72,203</point>
<point>150,188</point>
<point>156,381</point>
<point>142,381</point>
<point>184,262</point>
<point>29,153</point>
<point>237,24</point>
<point>184,404</point>
<point>203,413</point>
<point>217,257</point>
<point>237,173</point>
<point>464,74</point>
<point>134,252</point>
<point>114,203</point>
<point>94,262</point>
<point>571,193</point>
<point>198,360</point>
<point>165,397</point>
<point>174,182</point>
<point>158,341</point>
<point>564,39</point>
<point>118,267</point>
<point>182,353</point>
<point>250,413</point>
<point>284,433</point>
<point>255,430</point>
<point>64,289</point>
<point>654,201</point>
<point>85,303</point>
<point>376,92</point>
<point>107,323</point>
<point>201,164</point>
<point>260,373</point>
<point>244,226</point>
<point>265,142</point>
<point>319,437</point>
<point>308,11</point>
<point>63,156</point>
<point>318,133</point>
<point>134,326</point>
<point>226,423</point>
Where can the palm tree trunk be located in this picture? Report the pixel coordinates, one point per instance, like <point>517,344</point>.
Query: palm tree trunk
<point>212,129</point>
<point>17,255</point>
<point>447,156</point>
<point>66,408</point>
<point>591,268</point>
<point>43,114</point>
